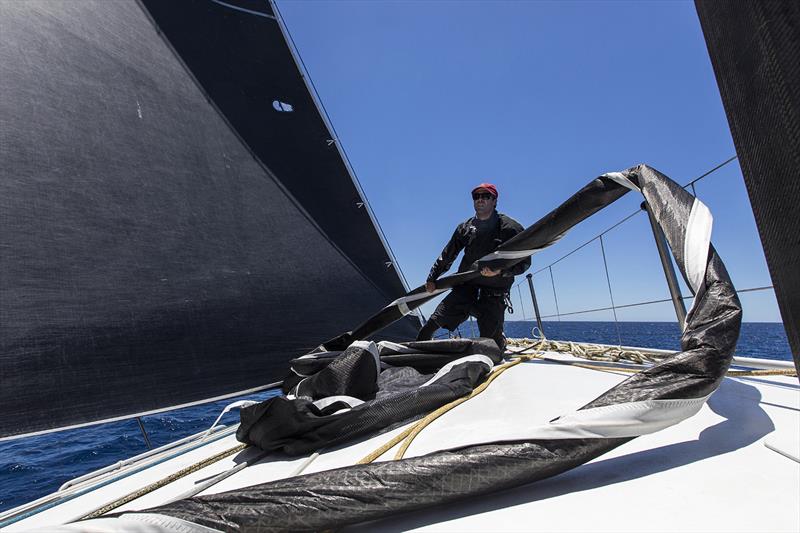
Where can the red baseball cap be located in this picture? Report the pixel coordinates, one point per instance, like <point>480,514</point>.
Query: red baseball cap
<point>491,189</point>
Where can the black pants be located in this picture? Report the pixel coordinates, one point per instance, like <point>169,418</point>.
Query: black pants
<point>487,305</point>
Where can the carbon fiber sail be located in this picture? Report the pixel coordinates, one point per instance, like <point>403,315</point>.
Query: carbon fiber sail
<point>755,50</point>
<point>176,220</point>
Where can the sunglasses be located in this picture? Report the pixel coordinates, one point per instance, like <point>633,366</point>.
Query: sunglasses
<point>482,195</point>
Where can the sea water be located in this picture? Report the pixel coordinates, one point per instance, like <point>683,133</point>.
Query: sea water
<point>36,466</point>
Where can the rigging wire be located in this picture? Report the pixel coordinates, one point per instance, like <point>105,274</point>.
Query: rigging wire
<point>599,236</point>
<point>649,302</point>
<point>610,292</point>
<point>521,303</point>
<point>590,241</point>
<point>690,184</point>
<point>555,296</point>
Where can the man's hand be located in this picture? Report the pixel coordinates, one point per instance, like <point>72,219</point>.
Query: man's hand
<point>489,273</point>
<point>430,286</point>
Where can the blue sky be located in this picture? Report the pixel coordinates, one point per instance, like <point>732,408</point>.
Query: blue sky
<point>431,98</point>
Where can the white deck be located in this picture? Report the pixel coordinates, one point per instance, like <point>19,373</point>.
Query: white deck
<point>712,472</point>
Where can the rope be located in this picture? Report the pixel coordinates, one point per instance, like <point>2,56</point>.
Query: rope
<point>594,352</point>
<point>614,354</point>
<point>770,372</point>
<point>163,482</point>
<point>409,434</point>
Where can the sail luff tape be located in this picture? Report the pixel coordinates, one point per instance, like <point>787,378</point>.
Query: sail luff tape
<point>395,347</point>
<point>625,420</point>
<point>402,302</point>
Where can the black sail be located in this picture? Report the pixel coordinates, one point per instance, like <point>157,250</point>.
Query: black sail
<point>755,50</point>
<point>174,224</point>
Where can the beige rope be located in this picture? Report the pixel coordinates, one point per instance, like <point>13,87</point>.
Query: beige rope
<point>765,372</point>
<point>410,433</point>
<point>614,354</point>
<point>163,482</point>
<point>590,351</point>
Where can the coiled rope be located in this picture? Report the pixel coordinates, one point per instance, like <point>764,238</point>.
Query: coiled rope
<point>594,352</point>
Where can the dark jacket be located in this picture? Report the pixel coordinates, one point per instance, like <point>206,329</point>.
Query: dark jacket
<point>464,239</point>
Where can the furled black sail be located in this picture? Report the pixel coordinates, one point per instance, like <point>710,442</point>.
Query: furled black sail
<point>755,49</point>
<point>174,223</point>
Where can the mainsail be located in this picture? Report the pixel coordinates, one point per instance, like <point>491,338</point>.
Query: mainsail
<point>176,219</point>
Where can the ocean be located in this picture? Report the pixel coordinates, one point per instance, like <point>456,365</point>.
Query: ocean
<point>36,466</point>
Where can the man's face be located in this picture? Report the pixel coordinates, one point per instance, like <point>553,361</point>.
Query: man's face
<point>483,201</point>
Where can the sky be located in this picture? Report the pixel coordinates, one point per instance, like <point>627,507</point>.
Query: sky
<point>431,98</point>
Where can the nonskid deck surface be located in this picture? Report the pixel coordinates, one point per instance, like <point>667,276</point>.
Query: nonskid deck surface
<point>712,472</point>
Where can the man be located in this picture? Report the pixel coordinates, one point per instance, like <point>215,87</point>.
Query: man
<point>485,297</point>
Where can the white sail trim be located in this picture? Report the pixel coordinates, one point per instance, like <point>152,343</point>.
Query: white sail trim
<point>395,347</point>
<point>372,348</point>
<point>241,404</point>
<point>696,244</point>
<point>518,254</point>
<point>630,419</point>
<point>622,179</point>
<point>509,254</point>
<point>449,366</point>
<point>349,400</point>
<point>623,420</point>
<point>402,302</point>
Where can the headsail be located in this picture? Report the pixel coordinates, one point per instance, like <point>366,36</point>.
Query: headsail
<point>756,57</point>
<point>651,399</point>
<point>169,234</point>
